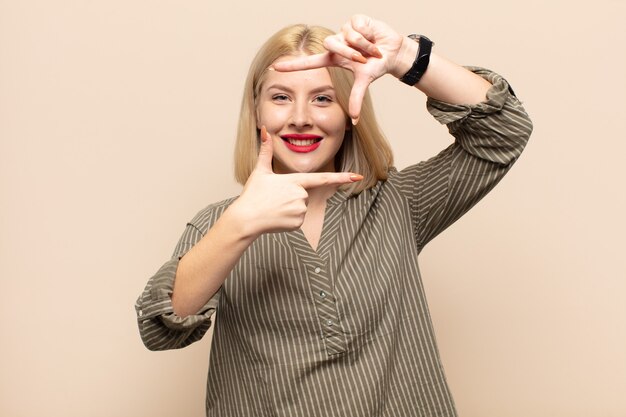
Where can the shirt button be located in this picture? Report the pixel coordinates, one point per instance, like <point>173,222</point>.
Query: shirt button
<point>317,270</point>
<point>322,294</point>
<point>329,323</point>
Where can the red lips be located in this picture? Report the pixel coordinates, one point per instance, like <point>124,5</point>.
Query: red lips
<point>302,143</point>
<point>300,136</point>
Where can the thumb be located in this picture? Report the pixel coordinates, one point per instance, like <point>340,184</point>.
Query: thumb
<point>266,152</point>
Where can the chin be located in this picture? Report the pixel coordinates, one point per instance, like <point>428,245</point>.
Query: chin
<point>304,168</point>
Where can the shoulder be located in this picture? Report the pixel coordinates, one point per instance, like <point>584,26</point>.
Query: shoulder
<point>407,176</point>
<point>386,189</point>
<point>206,217</point>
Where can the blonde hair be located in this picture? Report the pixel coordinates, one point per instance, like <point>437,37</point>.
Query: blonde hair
<point>365,149</point>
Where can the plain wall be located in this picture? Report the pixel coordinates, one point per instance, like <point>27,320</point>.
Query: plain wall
<point>117,121</point>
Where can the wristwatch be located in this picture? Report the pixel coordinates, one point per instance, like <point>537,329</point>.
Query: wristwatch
<point>422,59</point>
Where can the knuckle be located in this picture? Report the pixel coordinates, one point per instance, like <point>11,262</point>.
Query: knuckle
<point>297,222</point>
<point>303,195</point>
<point>359,22</point>
<point>353,37</point>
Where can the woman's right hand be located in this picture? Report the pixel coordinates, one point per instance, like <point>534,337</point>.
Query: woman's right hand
<point>278,202</point>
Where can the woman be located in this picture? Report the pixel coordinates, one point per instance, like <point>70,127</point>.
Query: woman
<point>312,270</point>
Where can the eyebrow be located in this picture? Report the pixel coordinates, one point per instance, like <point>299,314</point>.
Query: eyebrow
<point>289,90</point>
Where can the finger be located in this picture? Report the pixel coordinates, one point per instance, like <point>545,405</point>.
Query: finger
<point>339,47</point>
<point>317,179</point>
<point>266,152</point>
<point>360,34</point>
<point>304,62</point>
<point>363,24</point>
<point>357,95</point>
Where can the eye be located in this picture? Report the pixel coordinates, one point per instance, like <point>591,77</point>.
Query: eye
<point>280,97</point>
<point>323,99</point>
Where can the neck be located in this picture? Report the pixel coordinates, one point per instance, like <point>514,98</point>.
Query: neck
<point>319,195</point>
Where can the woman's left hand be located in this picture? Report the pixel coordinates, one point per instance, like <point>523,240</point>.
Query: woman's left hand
<point>367,47</point>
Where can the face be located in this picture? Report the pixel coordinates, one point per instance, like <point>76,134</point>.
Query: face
<point>301,113</point>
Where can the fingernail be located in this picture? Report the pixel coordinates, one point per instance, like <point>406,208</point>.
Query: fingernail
<point>357,57</point>
<point>355,120</point>
<point>356,177</point>
<point>377,53</point>
<point>263,134</point>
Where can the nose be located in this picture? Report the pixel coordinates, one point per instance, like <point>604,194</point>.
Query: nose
<point>300,115</point>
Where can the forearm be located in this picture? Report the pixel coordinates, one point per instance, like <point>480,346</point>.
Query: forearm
<point>443,80</point>
<point>203,270</point>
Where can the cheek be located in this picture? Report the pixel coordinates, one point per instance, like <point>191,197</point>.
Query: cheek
<point>332,121</point>
<point>273,119</point>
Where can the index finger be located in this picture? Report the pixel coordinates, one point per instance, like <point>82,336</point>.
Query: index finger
<point>318,179</point>
<point>304,62</point>
<point>357,95</point>
<point>359,34</point>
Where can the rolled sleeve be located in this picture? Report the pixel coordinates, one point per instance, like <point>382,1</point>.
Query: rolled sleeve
<point>495,130</point>
<point>160,328</point>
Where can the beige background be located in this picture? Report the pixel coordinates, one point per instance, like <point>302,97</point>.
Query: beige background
<point>117,121</point>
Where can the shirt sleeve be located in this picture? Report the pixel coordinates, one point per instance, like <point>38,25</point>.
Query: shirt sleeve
<point>489,138</point>
<point>159,327</point>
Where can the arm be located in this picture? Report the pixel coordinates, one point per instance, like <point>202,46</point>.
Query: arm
<point>204,268</point>
<point>489,138</point>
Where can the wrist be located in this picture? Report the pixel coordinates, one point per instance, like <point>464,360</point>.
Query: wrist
<point>241,222</point>
<point>422,59</point>
<point>405,57</point>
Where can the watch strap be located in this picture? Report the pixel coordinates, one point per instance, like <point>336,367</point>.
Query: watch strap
<point>422,59</point>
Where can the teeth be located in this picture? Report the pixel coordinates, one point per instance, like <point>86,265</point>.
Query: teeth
<point>301,142</point>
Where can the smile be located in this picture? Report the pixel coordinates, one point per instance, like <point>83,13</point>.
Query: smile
<point>302,143</point>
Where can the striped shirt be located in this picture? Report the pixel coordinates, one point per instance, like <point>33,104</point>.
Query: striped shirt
<point>344,330</point>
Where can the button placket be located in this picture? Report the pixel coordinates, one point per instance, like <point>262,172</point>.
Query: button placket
<point>328,314</point>
<point>321,285</point>
<point>321,280</point>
